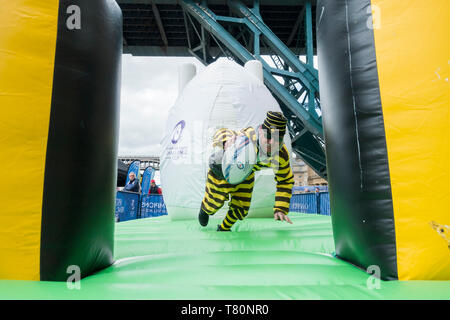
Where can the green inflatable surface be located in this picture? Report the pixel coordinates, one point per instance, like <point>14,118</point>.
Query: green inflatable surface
<point>261,259</point>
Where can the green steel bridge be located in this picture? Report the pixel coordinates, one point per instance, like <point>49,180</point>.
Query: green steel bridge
<point>279,30</point>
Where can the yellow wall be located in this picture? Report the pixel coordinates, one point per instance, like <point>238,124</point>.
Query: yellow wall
<point>413,57</point>
<point>27,50</point>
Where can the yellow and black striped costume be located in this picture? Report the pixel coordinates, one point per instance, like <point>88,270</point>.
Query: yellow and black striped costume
<point>218,190</point>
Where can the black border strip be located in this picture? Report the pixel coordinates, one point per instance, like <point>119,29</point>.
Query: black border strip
<point>81,162</point>
<point>357,161</point>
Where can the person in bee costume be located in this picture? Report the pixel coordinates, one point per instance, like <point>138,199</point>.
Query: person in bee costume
<point>271,153</point>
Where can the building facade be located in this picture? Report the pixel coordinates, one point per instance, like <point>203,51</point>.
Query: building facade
<point>304,175</point>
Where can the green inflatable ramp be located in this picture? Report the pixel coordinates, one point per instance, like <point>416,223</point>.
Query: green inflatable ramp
<point>261,259</point>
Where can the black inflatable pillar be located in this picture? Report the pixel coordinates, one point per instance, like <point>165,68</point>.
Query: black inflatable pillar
<point>62,85</point>
<point>384,101</point>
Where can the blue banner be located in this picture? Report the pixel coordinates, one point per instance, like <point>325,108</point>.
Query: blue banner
<point>152,205</point>
<point>148,175</point>
<point>130,205</point>
<point>134,167</point>
<point>127,206</point>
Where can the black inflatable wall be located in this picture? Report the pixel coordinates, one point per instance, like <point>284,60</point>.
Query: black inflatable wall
<point>357,161</point>
<point>81,161</point>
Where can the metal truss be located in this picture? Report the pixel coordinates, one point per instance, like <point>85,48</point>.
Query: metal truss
<point>293,83</point>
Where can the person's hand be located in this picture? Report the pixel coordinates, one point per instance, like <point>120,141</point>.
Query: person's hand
<point>229,142</point>
<point>281,216</point>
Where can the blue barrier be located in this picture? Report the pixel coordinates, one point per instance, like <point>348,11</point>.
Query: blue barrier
<point>318,203</point>
<point>152,205</point>
<point>324,203</point>
<point>130,205</point>
<point>305,203</point>
<point>127,206</point>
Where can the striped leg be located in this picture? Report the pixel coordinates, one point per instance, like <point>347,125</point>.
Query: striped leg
<point>216,193</point>
<point>239,205</point>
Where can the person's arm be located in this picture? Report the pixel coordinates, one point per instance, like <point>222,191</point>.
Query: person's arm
<point>221,140</point>
<point>223,137</point>
<point>285,181</point>
<point>250,132</point>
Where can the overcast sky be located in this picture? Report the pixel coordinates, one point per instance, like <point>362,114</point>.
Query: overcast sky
<point>149,89</point>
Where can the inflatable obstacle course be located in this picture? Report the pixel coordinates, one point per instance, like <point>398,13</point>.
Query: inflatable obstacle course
<point>157,258</point>
<point>385,128</point>
<point>385,97</point>
<point>59,84</point>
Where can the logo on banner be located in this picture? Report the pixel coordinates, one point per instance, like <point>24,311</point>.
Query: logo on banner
<point>176,133</point>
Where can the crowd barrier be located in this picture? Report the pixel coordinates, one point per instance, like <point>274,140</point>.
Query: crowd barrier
<point>152,205</point>
<point>131,205</point>
<point>317,203</point>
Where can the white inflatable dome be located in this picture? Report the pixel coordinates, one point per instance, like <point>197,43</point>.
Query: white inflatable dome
<point>224,95</point>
